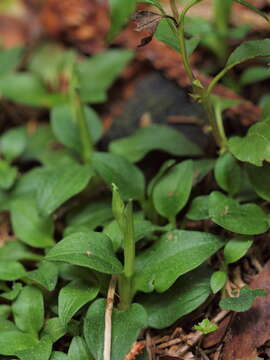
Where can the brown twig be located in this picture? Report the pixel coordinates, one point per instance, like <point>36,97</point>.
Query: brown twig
<point>108,319</point>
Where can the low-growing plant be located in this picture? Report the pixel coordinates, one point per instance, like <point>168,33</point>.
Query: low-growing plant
<point>86,223</point>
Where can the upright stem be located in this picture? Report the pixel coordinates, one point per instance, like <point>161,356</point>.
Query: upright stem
<point>125,280</point>
<point>87,145</point>
<point>199,90</point>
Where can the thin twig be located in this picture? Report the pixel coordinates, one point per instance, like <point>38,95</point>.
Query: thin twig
<point>108,320</point>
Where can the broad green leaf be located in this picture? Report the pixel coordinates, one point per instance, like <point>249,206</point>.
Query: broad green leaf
<point>92,250</point>
<point>11,270</point>
<point>46,275</point>
<point>165,34</point>
<point>206,327</point>
<point>163,169</point>
<point>254,147</point>
<point>173,255</point>
<point>228,174</point>
<point>121,10</point>
<point>40,351</point>
<point>259,178</point>
<point>172,191</point>
<point>8,175</point>
<point>243,302</point>
<point>12,340</point>
<point>54,329</point>
<point>10,59</point>
<point>248,50</point>
<point>247,219</point>
<point>264,104</point>
<point>236,248</point>
<point>72,297</point>
<point>89,216</point>
<point>218,281</point>
<point>132,320</point>
<point>12,294</point>
<point>27,89</point>
<point>59,184</point>
<point>67,131</point>
<point>114,169</point>
<point>99,72</point>
<point>28,310</point>
<point>254,74</point>
<point>15,250</point>
<point>187,294</point>
<point>201,168</point>
<point>154,137</point>
<point>78,349</point>
<point>29,226</point>
<point>199,209</point>
<point>253,8</point>
<point>13,142</point>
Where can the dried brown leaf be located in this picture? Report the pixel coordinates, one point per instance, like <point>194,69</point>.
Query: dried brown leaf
<point>148,21</point>
<point>251,329</point>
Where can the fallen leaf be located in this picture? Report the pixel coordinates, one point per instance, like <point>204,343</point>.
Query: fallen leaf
<point>249,330</point>
<point>148,21</point>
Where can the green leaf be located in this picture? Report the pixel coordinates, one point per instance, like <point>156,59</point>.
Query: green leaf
<point>29,226</point>
<point>228,174</point>
<point>199,209</point>
<point>202,167</point>
<point>163,169</point>
<point>54,329</point>
<point>206,327</point>
<point>236,248</point>
<point>173,255</point>
<point>259,178</point>
<point>46,275</point>
<point>186,295</point>
<point>12,294</point>
<point>114,169</point>
<point>72,297</point>
<point>120,12</point>
<point>15,250</point>
<point>249,50</point>
<point>254,147</point>
<point>132,320</point>
<point>165,34</point>
<point>253,8</point>
<point>248,219</point>
<point>218,281</point>
<point>254,74</point>
<point>89,216</point>
<point>59,184</point>
<point>99,72</point>
<point>12,340</point>
<point>40,351</point>
<point>67,131</point>
<point>10,59</point>
<point>78,349</point>
<point>92,250</point>
<point>28,310</point>
<point>244,301</point>
<point>172,191</point>
<point>8,175</point>
<point>11,270</point>
<point>13,142</point>
<point>154,137</point>
<point>264,104</point>
<point>25,88</point>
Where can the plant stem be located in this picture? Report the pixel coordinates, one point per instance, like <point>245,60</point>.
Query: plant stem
<point>172,221</point>
<point>87,145</point>
<point>199,91</point>
<point>125,280</point>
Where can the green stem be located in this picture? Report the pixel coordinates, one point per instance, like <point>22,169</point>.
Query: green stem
<point>172,222</point>
<point>125,292</point>
<point>87,145</point>
<point>216,79</point>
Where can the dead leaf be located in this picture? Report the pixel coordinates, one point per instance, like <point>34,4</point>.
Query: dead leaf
<point>148,21</point>
<point>251,329</point>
